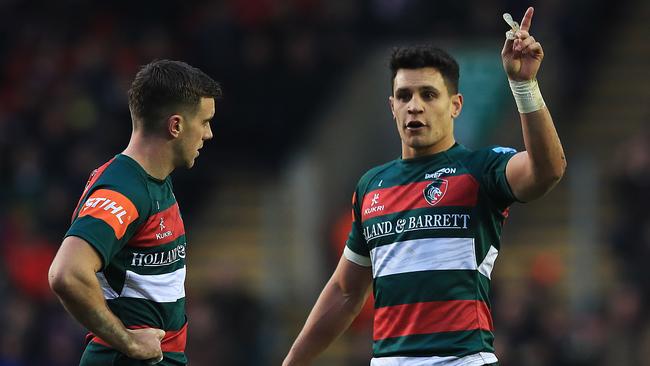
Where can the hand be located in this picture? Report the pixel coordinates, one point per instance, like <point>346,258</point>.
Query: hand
<point>145,345</point>
<point>522,56</point>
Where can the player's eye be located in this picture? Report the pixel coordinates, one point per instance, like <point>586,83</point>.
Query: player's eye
<point>429,95</point>
<point>404,96</point>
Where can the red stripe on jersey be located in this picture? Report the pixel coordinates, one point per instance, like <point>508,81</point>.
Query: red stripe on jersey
<point>161,228</point>
<point>173,341</point>
<point>91,180</point>
<point>459,190</point>
<point>431,317</point>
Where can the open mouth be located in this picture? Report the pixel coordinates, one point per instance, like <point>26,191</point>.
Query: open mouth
<point>414,125</point>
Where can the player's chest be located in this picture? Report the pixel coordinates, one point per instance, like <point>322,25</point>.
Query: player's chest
<point>428,190</point>
<point>164,224</point>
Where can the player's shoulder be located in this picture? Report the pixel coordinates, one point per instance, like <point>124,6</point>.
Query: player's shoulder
<point>486,153</point>
<point>371,173</point>
<point>125,177</point>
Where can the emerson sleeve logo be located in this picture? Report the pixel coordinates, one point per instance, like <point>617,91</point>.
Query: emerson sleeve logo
<point>111,207</point>
<point>504,150</point>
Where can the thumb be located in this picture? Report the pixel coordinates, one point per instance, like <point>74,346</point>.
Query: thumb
<point>160,334</point>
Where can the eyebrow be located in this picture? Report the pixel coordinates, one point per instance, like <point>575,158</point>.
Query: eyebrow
<point>420,88</point>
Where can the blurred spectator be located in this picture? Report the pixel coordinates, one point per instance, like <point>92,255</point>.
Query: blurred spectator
<point>631,239</point>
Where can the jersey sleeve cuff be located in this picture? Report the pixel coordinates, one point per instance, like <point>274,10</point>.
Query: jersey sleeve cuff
<point>356,258</point>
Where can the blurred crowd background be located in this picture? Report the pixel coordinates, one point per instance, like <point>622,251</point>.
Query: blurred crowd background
<point>305,114</point>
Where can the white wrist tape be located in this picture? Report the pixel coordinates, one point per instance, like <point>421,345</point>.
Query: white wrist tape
<point>527,95</point>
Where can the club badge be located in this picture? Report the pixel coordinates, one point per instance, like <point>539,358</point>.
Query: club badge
<point>434,192</point>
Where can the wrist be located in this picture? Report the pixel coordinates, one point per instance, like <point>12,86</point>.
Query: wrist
<point>129,343</point>
<point>527,95</point>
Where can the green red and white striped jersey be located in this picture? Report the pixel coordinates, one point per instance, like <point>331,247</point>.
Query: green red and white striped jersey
<point>134,223</point>
<point>430,228</point>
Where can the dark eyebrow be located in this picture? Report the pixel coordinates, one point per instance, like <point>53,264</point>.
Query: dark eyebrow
<point>420,88</point>
<point>428,88</point>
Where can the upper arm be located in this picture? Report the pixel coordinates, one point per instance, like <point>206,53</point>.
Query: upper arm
<point>106,221</point>
<point>353,279</point>
<point>75,258</point>
<point>491,166</point>
<point>519,176</point>
<point>525,184</point>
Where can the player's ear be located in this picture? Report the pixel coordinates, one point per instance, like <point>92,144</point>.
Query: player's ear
<point>456,105</point>
<point>174,125</point>
<point>391,100</point>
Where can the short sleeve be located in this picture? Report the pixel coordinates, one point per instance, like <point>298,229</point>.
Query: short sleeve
<point>494,178</point>
<point>356,247</point>
<point>106,220</point>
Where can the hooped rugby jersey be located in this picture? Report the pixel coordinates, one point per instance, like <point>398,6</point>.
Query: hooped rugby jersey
<point>134,223</point>
<point>430,228</point>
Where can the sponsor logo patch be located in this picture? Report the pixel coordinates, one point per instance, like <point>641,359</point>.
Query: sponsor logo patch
<point>504,150</point>
<point>448,221</point>
<point>374,205</point>
<point>158,259</point>
<point>111,207</point>
<point>440,172</point>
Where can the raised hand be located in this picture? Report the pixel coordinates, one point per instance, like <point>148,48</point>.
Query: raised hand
<point>522,56</point>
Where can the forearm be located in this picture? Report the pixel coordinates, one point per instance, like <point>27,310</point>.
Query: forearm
<point>537,170</point>
<point>82,297</point>
<point>545,153</point>
<point>334,311</point>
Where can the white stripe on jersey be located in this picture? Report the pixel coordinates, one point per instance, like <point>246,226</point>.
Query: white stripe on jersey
<point>428,254</point>
<point>488,263</point>
<point>167,287</point>
<point>107,290</point>
<point>477,359</point>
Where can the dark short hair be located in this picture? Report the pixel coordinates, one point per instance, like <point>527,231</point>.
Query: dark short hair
<point>417,57</point>
<point>164,87</point>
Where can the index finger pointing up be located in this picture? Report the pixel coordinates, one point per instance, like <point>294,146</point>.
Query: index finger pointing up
<point>528,18</point>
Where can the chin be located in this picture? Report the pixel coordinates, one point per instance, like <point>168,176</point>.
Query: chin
<point>418,143</point>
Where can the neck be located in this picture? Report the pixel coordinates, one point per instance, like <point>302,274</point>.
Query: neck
<point>416,152</point>
<point>152,153</point>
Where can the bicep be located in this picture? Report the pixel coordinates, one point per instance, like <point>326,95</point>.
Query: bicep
<point>76,255</point>
<point>519,176</point>
<point>353,279</point>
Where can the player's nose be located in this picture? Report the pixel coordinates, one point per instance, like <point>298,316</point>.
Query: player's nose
<point>415,106</point>
<point>208,134</point>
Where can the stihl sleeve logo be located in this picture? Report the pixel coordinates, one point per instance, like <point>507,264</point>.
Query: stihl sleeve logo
<point>111,207</point>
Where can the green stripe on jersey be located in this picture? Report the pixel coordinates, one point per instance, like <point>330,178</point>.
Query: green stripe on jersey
<point>163,315</point>
<point>425,286</point>
<point>457,344</point>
